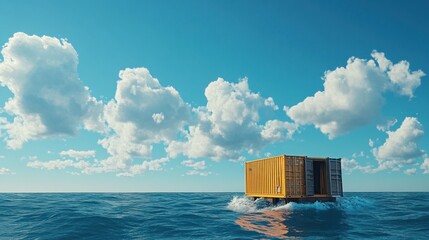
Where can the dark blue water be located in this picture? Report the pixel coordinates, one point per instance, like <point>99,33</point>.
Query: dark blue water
<point>209,216</point>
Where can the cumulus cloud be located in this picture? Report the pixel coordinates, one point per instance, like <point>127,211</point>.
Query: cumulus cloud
<point>197,167</point>
<point>230,124</point>
<point>353,95</point>
<point>401,146</point>
<point>410,171</point>
<point>269,102</point>
<point>153,165</point>
<point>386,127</point>
<point>275,130</point>
<point>425,165</point>
<point>88,167</point>
<point>142,113</point>
<point>143,110</point>
<point>6,171</point>
<point>350,165</point>
<point>49,100</point>
<point>78,154</point>
<point>58,164</point>
<point>48,97</point>
<point>404,81</point>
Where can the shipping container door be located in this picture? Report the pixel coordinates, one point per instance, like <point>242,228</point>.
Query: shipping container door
<point>295,176</point>
<point>309,177</point>
<point>335,177</point>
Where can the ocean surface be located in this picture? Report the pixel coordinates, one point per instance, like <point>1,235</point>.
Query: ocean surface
<point>210,216</point>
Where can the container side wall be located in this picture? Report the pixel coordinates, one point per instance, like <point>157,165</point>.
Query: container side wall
<point>265,177</point>
<point>295,176</point>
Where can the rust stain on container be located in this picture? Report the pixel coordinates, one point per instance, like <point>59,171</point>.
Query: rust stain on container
<point>293,178</point>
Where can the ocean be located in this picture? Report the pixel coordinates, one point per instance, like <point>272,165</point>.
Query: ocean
<point>210,216</point>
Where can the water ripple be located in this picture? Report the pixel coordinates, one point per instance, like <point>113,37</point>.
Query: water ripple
<point>209,216</point>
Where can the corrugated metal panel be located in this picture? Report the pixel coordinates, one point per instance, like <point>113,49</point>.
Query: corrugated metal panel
<point>335,177</point>
<point>309,177</point>
<point>295,176</point>
<point>266,177</point>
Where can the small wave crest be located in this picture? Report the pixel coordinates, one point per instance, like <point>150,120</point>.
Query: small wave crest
<point>243,204</point>
<point>355,203</point>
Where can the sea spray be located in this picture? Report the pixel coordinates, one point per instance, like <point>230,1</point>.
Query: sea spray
<point>243,204</point>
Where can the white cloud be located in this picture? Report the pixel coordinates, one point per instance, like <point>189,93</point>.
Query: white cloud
<point>410,171</point>
<point>196,172</point>
<point>371,142</point>
<point>425,165</point>
<point>118,147</point>
<point>58,164</point>
<point>286,109</point>
<point>153,165</point>
<point>401,146</point>
<point>143,113</point>
<point>360,154</point>
<point>386,127</point>
<point>6,171</point>
<point>240,159</point>
<point>87,167</point>
<point>404,81</point>
<point>269,102</point>
<point>275,130</point>
<point>108,165</point>
<point>197,167</point>
<point>350,165</point>
<point>139,97</point>
<point>158,117</point>
<point>229,124</point>
<point>78,154</point>
<point>353,95</point>
<point>82,165</point>
<point>48,97</point>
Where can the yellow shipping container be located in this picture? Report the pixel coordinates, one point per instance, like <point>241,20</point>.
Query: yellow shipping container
<point>266,177</point>
<point>293,177</point>
<point>276,177</point>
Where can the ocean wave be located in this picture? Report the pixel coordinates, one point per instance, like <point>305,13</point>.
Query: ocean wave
<point>243,204</point>
<point>201,215</point>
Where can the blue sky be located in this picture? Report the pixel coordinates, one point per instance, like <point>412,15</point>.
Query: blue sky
<point>176,95</point>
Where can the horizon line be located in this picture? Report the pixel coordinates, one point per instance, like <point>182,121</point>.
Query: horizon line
<point>6,192</point>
